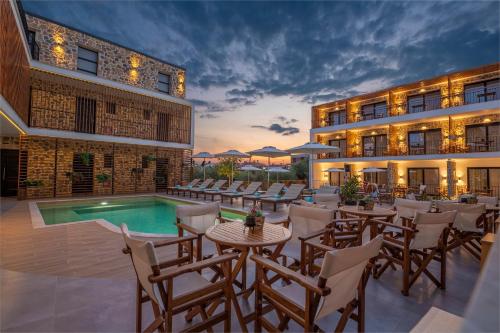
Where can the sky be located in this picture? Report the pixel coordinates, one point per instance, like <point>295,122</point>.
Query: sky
<point>255,69</point>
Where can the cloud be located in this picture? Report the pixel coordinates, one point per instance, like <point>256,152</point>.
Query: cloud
<point>282,128</point>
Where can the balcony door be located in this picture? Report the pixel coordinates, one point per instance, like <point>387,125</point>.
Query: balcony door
<point>374,145</point>
<point>341,144</point>
<point>482,91</point>
<point>484,181</point>
<point>337,118</point>
<point>424,102</point>
<point>483,137</point>
<point>374,111</point>
<point>424,142</point>
<point>424,176</point>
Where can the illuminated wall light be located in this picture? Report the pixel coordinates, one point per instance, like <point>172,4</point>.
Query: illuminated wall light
<point>133,75</point>
<point>487,120</point>
<point>135,61</point>
<point>373,133</point>
<point>180,80</point>
<point>59,53</point>
<point>58,38</point>
<point>337,137</point>
<point>424,128</point>
<point>422,90</point>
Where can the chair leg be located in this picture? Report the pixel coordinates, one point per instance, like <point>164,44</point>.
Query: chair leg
<point>258,300</point>
<point>361,308</point>
<point>138,310</point>
<point>406,272</point>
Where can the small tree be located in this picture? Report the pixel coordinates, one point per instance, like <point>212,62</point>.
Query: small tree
<point>301,169</point>
<point>225,166</point>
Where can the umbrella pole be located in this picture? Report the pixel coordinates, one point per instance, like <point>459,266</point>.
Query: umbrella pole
<point>204,164</point>
<point>268,173</point>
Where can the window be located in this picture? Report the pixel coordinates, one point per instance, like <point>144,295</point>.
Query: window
<point>164,83</point>
<point>87,61</point>
<point>373,111</point>
<point>341,144</point>
<point>34,50</point>
<point>85,115</point>
<point>482,91</point>
<point>337,118</point>
<point>424,102</point>
<point>424,142</point>
<point>110,107</point>
<point>424,176</point>
<point>146,114</point>
<point>482,138</point>
<point>484,181</point>
<point>108,160</point>
<point>379,178</point>
<point>337,178</point>
<point>374,145</point>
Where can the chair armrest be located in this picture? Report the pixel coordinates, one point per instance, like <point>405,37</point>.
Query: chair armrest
<point>284,222</point>
<point>319,246</point>
<point>313,235</point>
<point>305,281</point>
<point>176,240</point>
<point>227,220</point>
<point>190,229</point>
<point>193,267</point>
<point>403,228</point>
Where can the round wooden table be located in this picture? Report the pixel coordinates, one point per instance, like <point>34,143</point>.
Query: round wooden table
<point>368,215</point>
<point>236,235</point>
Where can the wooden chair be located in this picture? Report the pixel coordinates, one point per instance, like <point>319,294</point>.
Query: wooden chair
<point>469,226</point>
<point>418,244</point>
<point>339,287</point>
<point>489,202</point>
<point>173,288</point>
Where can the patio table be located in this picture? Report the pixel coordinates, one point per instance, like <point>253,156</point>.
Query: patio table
<point>236,235</point>
<point>368,215</point>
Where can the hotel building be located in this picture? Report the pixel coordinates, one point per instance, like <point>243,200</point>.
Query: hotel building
<point>443,132</point>
<point>81,115</point>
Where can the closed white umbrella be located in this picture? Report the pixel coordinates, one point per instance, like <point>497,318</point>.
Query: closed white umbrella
<point>312,148</point>
<point>269,152</point>
<point>204,155</point>
<point>249,168</point>
<point>277,171</point>
<point>232,154</point>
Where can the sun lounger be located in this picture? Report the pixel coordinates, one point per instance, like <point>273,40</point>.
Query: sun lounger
<point>186,189</point>
<point>251,189</point>
<point>215,192</point>
<point>290,195</point>
<point>272,191</point>
<point>193,183</point>
<point>199,190</point>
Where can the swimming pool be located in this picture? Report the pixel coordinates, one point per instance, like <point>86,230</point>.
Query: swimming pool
<point>151,214</point>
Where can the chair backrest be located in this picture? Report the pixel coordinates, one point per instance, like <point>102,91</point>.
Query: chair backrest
<point>430,226</point>
<point>293,191</point>
<point>252,188</point>
<point>143,259</point>
<point>206,183</point>
<point>406,208</point>
<point>235,186</point>
<point>194,182</point>
<point>275,189</point>
<point>490,201</point>
<point>330,200</point>
<point>218,184</point>
<point>328,189</point>
<point>467,214</point>
<point>201,217</point>
<point>343,270</point>
<point>305,220</point>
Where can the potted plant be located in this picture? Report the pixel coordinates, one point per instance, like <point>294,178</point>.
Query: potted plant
<point>33,183</point>
<point>367,202</point>
<point>85,158</point>
<point>349,191</point>
<point>150,158</point>
<point>255,218</point>
<point>103,178</point>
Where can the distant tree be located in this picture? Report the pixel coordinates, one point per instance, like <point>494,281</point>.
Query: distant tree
<point>301,169</point>
<point>224,167</point>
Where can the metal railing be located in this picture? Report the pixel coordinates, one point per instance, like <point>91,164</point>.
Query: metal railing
<point>483,144</point>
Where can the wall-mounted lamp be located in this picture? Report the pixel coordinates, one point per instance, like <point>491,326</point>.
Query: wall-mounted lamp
<point>424,128</point>
<point>487,120</point>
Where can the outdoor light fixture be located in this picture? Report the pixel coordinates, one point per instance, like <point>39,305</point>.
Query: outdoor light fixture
<point>424,127</point>
<point>487,120</point>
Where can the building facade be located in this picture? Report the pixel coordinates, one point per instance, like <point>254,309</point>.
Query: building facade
<point>443,132</point>
<point>85,116</point>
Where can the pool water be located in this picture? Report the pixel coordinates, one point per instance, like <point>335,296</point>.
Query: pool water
<point>141,214</point>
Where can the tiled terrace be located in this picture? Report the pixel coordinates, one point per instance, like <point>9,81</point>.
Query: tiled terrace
<point>75,278</point>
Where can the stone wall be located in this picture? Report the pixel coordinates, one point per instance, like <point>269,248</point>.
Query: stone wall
<point>50,160</point>
<point>59,47</point>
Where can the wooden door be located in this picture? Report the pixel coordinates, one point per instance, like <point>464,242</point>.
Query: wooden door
<point>9,171</point>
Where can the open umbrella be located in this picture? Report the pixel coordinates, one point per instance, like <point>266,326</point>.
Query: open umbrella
<point>334,170</point>
<point>204,155</point>
<point>269,152</point>
<point>232,154</point>
<point>372,170</point>
<point>277,171</point>
<point>249,168</point>
<point>313,148</point>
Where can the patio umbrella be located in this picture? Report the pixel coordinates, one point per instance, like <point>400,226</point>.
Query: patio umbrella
<point>269,152</point>
<point>232,154</point>
<point>277,171</point>
<point>204,155</point>
<point>372,170</point>
<point>334,170</point>
<point>313,148</point>
<point>249,168</point>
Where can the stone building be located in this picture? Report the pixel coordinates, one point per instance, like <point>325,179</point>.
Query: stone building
<point>81,115</point>
<point>442,132</point>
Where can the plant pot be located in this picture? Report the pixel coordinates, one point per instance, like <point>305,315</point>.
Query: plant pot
<point>21,194</point>
<point>259,220</point>
<point>250,221</point>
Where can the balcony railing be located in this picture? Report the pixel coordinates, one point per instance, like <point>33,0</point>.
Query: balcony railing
<point>431,103</point>
<point>374,152</point>
<point>483,144</point>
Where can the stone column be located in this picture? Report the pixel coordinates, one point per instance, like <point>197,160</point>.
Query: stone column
<point>392,174</point>
<point>451,177</point>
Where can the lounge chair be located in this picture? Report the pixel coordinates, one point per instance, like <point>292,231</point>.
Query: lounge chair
<point>272,191</point>
<point>330,200</point>
<point>417,245</point>
<point>176,286</point>
<point>215,192</point>
<point>186,189</point>
<point>201,190</point>
<point>340,287</point>
<point>173,189</point>
<point>251,189</point>
<point>290,195</point>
